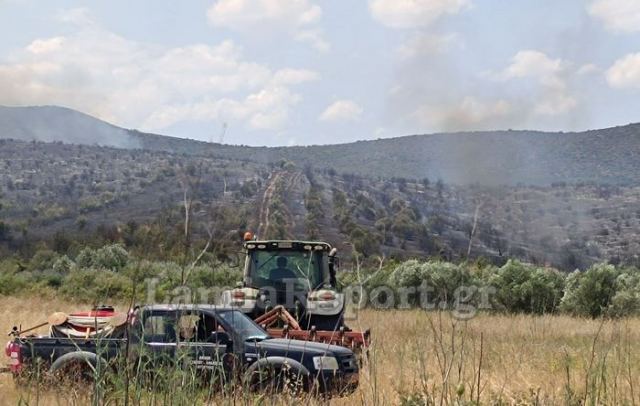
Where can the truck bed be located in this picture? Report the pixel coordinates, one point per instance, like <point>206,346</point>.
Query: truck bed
<point>51,348</point>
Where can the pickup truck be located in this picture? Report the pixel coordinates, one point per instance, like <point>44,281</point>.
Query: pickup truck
<point>213,342</point>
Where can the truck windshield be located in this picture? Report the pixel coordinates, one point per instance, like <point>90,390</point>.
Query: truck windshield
<point>277,268</point>
<point>242,325</point>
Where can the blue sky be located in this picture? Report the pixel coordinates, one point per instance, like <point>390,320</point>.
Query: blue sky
<point>284,72</point>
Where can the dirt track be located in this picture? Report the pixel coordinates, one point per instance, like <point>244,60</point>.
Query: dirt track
<point>293,180</point>
<point>263,217</point>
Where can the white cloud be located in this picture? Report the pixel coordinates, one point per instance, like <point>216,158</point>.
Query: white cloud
<point>298,18</point>
<point>625,72</point>
<point>43,46</point>
<point>531,63</point>
<point>617,15</point>
<point>413,13</point>
<point>552,97</point>
<point>146,86</point>
<point>341,110</point>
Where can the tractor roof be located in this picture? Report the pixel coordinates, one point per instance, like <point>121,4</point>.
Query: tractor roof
<point>287,245</point>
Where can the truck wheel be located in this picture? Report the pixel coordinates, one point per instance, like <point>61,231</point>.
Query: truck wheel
<point>76,371</point>
<point>77,366</point>
<point>277,378</point>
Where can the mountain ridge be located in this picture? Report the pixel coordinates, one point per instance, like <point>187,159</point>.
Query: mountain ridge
<point>483,157</point>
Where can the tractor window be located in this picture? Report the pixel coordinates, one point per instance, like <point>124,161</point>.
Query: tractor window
<point>305,269</point>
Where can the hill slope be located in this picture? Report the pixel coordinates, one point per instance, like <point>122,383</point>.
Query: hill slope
<point>52,123</point>
<point>58,193</point>
<point>489,158</point>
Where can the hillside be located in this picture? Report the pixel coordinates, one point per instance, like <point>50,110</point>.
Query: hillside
<point>52,123</point>
<point>58,194</point>
<point>487,158</point>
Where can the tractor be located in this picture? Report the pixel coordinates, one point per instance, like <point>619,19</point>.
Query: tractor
<point>297,276</point>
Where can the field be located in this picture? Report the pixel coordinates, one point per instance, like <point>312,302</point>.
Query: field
<point>431,358</point>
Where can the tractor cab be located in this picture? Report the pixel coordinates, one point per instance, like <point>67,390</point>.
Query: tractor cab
<point>303,266</point>
<point>298,275</point>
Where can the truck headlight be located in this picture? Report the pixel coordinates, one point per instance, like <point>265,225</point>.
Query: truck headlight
<point>325,363</point>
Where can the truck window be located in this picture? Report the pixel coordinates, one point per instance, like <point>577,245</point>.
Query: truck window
<point>189,326</point>
<point>207,325</point>
<point>242,325</point>
<point>159,329</point>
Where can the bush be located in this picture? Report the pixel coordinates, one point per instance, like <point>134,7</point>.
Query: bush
<point>96,286</point>
<point>42,260</point>
<point>626,301</point>
<point>527,288</point>
<point>408,273</point>
<point>63,265</point>
<point>48,279</point>
<point>109,274</point>
<point>12,282</point>
<point>444,277</point>
<point>112,257</point>
<point>590,293</point>
<point>204,276</point>
<point>86,258</point>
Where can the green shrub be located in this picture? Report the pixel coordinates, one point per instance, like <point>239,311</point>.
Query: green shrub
<point>112,257</point>
<point>96,286</point>
<point>47,279</point>
<point>590,293</point>
<point>86,258</point>
<point>42,260</point>
<point>626,301</point>
<point>221,275</point>
<point>63,265</point>
<point>12,282</point>
<point>527,288</point>
<point>408,273</point>
<point>444,278</point>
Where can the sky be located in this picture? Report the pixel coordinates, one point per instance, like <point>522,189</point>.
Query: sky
<point>301,72</point>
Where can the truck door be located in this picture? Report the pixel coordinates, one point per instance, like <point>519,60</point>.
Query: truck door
<point>159,340</point>
<point>201,346</point>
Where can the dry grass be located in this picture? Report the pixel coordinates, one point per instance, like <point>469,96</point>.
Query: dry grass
<point>26,312</point>
<point>432,358</point>
<point>545,359</point>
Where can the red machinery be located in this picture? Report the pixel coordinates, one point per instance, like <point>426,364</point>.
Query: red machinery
<point>280,323</point>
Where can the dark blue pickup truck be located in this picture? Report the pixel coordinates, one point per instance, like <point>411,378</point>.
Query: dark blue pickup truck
<point>215,343</point>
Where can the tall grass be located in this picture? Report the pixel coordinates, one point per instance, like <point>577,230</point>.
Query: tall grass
<point>417,358</point>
